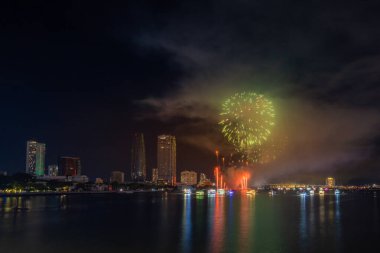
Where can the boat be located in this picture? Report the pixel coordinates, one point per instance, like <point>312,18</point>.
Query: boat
<point>271,193</point>
<point>337,192</point>
<point>125,191</point>
<point>311,192</point>
<point>211,192</point>
<point>187,191</point>
<point>200,193</point>
<point>251,192</point>
<point>303,194</point>
<point>221,192</point>
<point>230,192</point>
<point>321,192</point>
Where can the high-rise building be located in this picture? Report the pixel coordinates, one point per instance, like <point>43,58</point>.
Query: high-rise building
<point>70,166</point>
<point>35,158</point>
<point>138,163</point>
<point>31,150</point>
<point>53,170</point>
<point>166,159</point>
<point>99,180</point>
<point>202,177</point>
<point>154,175</point>
<point>117,177</point>
<point>330,182</point>
<point>188,177</point>
<point>203,180</point>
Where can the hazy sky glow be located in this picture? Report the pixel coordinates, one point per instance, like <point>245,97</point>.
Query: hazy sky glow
<point>83,76</point>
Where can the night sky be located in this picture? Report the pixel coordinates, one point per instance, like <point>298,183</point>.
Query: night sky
<point>83,76</point>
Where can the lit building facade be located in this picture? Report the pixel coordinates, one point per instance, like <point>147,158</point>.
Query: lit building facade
<point>203,180</point>
<point>166,159</point>
<point>138,162</point>
<point>53,170</point>
<point>202,177</point>
<point>117,177</point>
<point>154,175</point>
<point>70,166</point>
<point>330,182</point>
<point>189,177</point>
<point>35,158</point>
<point>99,180</point>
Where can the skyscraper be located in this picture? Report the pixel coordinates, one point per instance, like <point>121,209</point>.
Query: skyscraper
<point>188,177</point>
<point>154,175</point>
<point>166,158</point>
<point>138,164</point>
<point>70,166</point>
<point>53,170</point>
<point>203,181</point>
<point>117,176</point>
<point>35,158</point>
<point>330,182</point>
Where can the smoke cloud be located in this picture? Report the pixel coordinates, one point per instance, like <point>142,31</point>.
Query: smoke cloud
<point>327,106</point>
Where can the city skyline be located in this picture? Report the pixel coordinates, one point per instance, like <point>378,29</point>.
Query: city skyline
<point>37,150</point>
<point>189,126</point>
<point>83,80</point>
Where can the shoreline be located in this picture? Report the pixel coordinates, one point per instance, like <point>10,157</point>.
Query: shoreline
<point>28,194</point>
<point>24,194</point>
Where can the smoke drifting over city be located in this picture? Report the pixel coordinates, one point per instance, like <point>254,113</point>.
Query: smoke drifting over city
<point>330,116</point>
<point>172,68</point>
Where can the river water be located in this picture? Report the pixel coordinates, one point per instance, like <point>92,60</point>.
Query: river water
<point>164,222</point>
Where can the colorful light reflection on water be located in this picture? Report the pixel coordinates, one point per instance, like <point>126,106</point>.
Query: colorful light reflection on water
<point>163,222</point>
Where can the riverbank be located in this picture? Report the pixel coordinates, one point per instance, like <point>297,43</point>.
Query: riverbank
<point>22,194</point>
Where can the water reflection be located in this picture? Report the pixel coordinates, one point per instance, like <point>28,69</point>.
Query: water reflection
<point>331,210</point>
<point>326,229</point>
<point>26,204</point>
<point>63,202</point>
<point>312,226</point>
<point>175,223</point>
<point>376,213</point>
<point>218,224</point>
<point>245,226</point>
<point>322,210</point>
<point>186,224</point>
<point>14,205</point>
<point>303,222</point>
<point>338,228</point>
<point>163,228</point>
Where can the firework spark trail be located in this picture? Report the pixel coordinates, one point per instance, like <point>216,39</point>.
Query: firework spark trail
<point>247,120</point>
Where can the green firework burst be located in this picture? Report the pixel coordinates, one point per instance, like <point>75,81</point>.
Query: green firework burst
<point>247,120</point>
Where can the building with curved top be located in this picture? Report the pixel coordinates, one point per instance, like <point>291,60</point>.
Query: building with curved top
<point>138,162</point>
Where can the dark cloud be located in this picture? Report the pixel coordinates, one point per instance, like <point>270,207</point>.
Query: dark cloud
<point>319,64</point>
<point>76,69</point>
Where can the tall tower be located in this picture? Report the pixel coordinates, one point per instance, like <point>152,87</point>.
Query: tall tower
<point>70,166</point>
<point>138,163</point>
<point>330,182</point>
<point>35,158</point>
<point>40,159</point>
<point>166,158</point>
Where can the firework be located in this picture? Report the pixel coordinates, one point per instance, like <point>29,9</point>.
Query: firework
<point>247,120</point>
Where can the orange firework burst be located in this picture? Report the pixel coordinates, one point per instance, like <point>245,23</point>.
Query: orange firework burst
<point>237,178</point>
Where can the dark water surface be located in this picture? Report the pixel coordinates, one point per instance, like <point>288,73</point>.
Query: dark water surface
<point>159,222</point>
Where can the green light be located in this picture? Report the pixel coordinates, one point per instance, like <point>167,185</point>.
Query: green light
<point>247,119</point>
